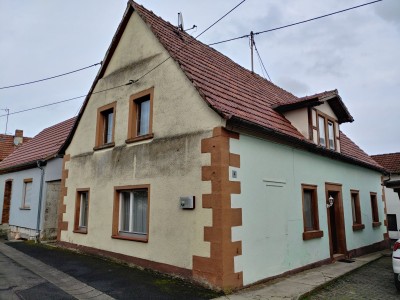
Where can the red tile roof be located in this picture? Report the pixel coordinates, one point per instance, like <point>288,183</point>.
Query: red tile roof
<point>390,161</point>
<point>350,149</point>
<point>7,145</point>
<point>231,90</point>
<point>45,145</point>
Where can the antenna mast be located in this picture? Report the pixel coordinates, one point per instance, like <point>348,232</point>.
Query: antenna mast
<point>251,47</point>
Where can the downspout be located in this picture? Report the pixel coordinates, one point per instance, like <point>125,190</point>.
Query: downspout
<point>40,165</point>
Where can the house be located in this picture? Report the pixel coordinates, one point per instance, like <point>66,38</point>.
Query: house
<point>30,180</point>
<point>8,143</point>
<point>391,162</point>
<point>184,162</point>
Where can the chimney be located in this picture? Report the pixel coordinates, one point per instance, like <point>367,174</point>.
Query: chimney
<point>18,137</point>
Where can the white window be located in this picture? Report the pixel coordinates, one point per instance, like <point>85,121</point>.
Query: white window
<point>321,128</point>
<point>144,117</point>
<point>81,211</point>
<point>133,213</point>
<point>83,216</point>
<point>331,135</point>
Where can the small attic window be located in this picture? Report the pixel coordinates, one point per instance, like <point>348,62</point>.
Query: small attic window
<point>105,126</point>
<point>326,132</point>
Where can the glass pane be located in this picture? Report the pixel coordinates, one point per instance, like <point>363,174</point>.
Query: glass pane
<point>308,210</point>
<point>353,207</point>
<point>321,125</point>
<point>125,210</point>
<point>28,194</point>
<point>140,211</point>
<point>108,119</point>
<point>144,117</point>
<point>331,136</point>
<point>84,208</point>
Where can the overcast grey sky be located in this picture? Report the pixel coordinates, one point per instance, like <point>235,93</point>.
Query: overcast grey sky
<point>356,52</point>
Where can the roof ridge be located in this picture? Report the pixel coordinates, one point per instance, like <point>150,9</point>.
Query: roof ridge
<point>193,39</point>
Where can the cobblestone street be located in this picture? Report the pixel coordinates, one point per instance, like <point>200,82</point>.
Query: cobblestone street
<point>373,281</point>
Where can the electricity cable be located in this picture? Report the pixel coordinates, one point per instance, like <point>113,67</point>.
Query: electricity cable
<point>131,81</point>
<point>293,24</point>
<point>263,68</point>
<point>204,31</point>
<point>66,100</point>
<point>48,78</point>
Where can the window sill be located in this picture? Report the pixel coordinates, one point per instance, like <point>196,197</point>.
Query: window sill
<point>105,146</point>
<point>141,240</point>
<point>81,231</point>
<point>139,138</point>
<point>376,224</point>
<point>25,208</point>
<point>357,227</point>
<point>315,234</point>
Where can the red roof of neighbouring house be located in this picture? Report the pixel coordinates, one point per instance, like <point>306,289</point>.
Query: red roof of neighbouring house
<point>43,146</point>
<point>390,161</point>
<point>229,89</point>
<point>7,145</point>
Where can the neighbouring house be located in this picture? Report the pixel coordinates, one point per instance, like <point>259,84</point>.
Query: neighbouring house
<point>391,162</point>
<point>185,162</point>
<point>9,143</point>
<point>30,180</point>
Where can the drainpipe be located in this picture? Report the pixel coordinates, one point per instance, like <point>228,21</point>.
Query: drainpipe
<point>40,165</point>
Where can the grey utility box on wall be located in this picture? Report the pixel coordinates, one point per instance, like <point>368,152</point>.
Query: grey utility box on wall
<point>186,202</point>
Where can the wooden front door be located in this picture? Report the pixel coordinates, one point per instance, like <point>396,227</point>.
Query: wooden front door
<point>337,233</point>
<point>5,217</point>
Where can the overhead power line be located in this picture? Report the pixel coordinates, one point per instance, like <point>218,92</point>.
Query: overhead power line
<point>129,83</point>
<point>48,78</point>
<point>263,68</point>
<point>66,100</point>
<point>294,24</point>
<point>201,33</point>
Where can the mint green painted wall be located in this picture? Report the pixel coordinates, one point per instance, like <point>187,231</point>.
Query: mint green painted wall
<point>272,228</point>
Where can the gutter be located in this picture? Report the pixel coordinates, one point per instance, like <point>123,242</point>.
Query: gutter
<point>40,164</point>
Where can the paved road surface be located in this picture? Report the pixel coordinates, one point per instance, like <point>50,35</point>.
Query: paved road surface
<point>372,281</point>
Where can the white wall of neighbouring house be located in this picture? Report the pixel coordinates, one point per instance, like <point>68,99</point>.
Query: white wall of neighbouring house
<point>171,162</point>
<point>25,219</point>
<point>393,207</point>
<point>271,177</point>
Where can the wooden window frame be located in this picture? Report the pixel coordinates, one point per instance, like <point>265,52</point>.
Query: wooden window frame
<point>133,119</point>
<point>355,204</point>
<point>77,228</point>
<point>327,119</point>
<point>116,211</point>
<point>100,143</point>
<point>23,204</point>
<point>314,232</point>
<point>374,210</point>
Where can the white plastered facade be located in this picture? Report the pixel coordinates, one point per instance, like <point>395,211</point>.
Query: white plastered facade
<point>271,177</point>
<point>171,162</point>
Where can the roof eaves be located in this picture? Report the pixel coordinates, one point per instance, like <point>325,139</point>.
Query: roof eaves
<point>238,124</point>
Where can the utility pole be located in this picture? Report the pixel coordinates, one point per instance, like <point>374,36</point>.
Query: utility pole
<point>251,47</point>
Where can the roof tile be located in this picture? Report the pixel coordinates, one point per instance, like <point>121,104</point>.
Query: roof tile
<point>44,145</point>
<point>390,161</point>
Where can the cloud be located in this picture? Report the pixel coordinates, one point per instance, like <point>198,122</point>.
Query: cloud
<point>294,86</point>
<point>389,11</point>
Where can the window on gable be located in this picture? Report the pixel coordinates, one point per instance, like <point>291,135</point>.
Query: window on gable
<point>131,211</point>
<point>310,213</point>
<point>81,211</point>
<point>140,116</point>
<point>326,132</point>
<point>356,211</point>
<point>105,126</point>
<point>27,194</point>
<point>374,209</point>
